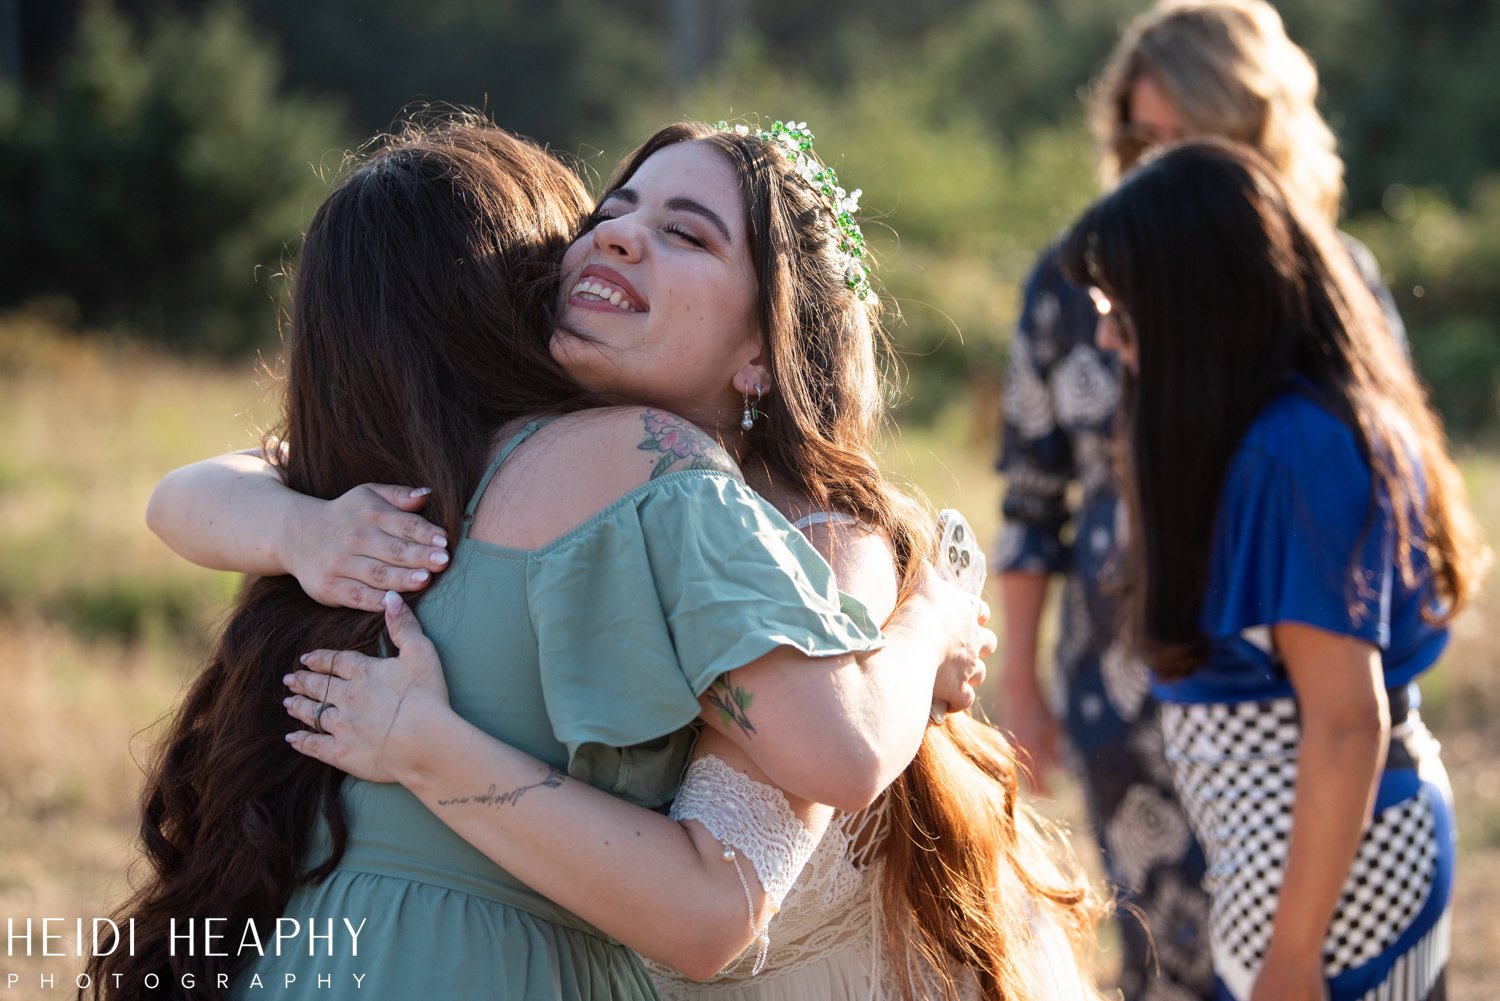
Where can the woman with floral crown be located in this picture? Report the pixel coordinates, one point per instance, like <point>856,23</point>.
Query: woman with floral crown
<point>715,252</point>
<point>583,617</point>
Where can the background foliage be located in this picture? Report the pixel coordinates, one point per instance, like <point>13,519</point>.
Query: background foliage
<point>158,158</point>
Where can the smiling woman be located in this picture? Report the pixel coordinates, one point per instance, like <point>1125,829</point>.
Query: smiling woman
<point>687,212</point>
<point>612,580</point>
<point>674,321</point>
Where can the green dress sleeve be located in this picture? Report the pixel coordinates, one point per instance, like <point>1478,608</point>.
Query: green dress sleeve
<point>638,610</point>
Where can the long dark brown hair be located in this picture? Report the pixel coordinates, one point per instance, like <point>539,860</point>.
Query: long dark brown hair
<point>961,855</point>
<point>419,325</point>
<point>1229,286</point>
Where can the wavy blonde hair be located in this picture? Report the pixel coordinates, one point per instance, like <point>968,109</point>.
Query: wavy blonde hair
<point>1230,71</point>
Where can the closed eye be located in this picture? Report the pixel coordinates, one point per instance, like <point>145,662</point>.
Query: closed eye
<point>682,232</point>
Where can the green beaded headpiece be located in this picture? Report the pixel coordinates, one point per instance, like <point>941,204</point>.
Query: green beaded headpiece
<point>794,142</point>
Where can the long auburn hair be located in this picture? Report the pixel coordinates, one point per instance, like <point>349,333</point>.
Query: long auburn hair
<point>1230,286</point>
<point>419,325</point>
<point>959,844</point>
<point>1229,70</point>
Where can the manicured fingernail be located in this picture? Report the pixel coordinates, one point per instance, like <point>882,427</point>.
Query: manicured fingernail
<point>291,738</point>
<point>392,601</point>
<point>306,658</point>
<point>419,576</point>
<point>421,491</point>
<point>440,558</point>
<point>288,679</point>
<point>440,539</point>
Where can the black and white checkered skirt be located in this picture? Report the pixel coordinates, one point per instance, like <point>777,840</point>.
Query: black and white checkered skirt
<point>1235,767</point>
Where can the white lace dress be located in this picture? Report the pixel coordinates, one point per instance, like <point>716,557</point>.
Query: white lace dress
<point>827,941</point>
<point>824,942</point>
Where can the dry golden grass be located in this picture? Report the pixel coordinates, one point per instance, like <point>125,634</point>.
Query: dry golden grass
<point>99,621</point>
<point>101,624</point>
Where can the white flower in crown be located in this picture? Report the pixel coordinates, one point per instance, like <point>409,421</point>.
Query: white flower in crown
<point>794,141</point>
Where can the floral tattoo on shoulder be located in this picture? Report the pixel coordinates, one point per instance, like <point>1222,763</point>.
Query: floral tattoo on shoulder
<point>681,445</point>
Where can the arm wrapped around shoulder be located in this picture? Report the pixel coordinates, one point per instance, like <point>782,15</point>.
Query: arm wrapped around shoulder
<point>640,610</point>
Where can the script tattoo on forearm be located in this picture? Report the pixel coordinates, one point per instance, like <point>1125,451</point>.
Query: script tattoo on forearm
<point>682,445</point>
<point>733,703</point>
<point>493,798</point>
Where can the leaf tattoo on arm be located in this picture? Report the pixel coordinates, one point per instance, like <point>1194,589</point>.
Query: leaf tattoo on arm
<point>733,704</point>
<point>493,798</point>
<point>682,445</point>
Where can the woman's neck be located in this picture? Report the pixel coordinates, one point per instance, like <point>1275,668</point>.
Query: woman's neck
<point>792,503</point>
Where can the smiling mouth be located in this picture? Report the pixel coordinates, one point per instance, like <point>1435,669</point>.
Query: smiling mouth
<point>594,290</point>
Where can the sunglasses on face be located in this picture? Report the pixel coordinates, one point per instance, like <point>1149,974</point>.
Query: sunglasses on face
<point>1103,304</point>
<point>1131,141</point>
<point>1107,308</point>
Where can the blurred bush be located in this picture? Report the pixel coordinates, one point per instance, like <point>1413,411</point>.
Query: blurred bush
<point>133,609</point>
<point>1441,261</point>
<point>157,183</point>
<point>954,209</point>
<point>158,173</point>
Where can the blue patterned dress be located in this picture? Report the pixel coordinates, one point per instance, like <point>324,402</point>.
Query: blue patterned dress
<point>1061,516</point>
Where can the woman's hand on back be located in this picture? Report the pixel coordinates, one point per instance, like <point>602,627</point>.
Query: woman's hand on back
<point>381,711</point>
<point>349,551</point>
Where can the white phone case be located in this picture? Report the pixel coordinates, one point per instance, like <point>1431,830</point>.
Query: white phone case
<point>959,558</point>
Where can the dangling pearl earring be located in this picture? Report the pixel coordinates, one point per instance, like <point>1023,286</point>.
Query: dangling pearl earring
<point>747,419</point>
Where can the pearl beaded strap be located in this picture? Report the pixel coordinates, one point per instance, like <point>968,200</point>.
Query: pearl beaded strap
<point>757,821</point>
<point>762,940</point>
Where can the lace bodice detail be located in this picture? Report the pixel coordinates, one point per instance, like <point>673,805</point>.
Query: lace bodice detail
<point>830,911</point>
<point>830,934</point>
<point>832,905</point>
<point>752,817</point>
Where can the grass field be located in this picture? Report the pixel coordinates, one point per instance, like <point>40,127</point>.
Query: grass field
<point>101,625</point>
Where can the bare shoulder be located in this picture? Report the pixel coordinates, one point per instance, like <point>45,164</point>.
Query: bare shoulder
<point>863,561</point>
<point>580,463</point>
<point>636,444</point>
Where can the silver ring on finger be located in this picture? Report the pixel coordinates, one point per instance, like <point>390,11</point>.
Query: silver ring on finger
<point>317,720</point>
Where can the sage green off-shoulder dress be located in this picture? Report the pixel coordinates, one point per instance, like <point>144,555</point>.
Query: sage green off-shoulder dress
<point>588,653</point>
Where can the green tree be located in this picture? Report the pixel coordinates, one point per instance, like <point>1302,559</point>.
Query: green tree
<point>562,72</point>
<point>163,177</point>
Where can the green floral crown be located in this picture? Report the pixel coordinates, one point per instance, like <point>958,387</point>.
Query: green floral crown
<point>794,142</point>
